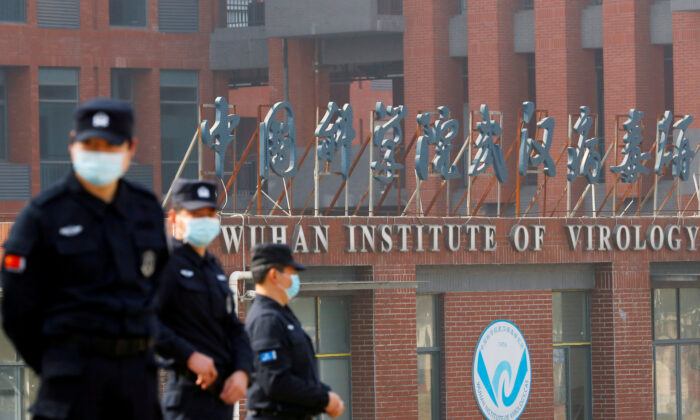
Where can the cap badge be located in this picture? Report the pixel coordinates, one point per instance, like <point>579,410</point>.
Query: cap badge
<point>148,263</point>
<point>203,192</point>
<point>100,120</point>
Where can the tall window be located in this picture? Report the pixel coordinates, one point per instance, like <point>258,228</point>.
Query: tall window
<point>677,353</point>
<point>326,320</point>
<point>58,98</point>
<point>13,11</point>
<point>122,85</point>
<point>428,339</point>
<point>600,106</point>
<point>572,355</point>
<point>179,116</point>
<point>668,77</point>
<point>127,13</point>
<point>528,4</point>
<point>18,384</point>
<point>3,115</point>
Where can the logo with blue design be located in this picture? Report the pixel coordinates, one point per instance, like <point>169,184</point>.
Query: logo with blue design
<point>502,371</point>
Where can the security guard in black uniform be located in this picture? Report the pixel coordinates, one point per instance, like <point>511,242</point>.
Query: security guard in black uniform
<point>199,329</point>
<point>285,382</point>
<point>79,276</point>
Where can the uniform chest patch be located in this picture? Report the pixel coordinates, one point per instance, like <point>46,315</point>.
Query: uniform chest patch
<point>221,277</point>
<point>148,263</point>
<point>268,356</point>
<point>70,230</point>
<point>14,263</point>
<point>186,273</point>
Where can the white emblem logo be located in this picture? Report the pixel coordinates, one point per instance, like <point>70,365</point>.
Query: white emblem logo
<point>100,120</point>
<point>290,327</point>
<point>221,277</point>
<point>70,230</point>
<point>502,371</point>
<point>186,273</point>
<point>148,263</point>
<point>203,192</point>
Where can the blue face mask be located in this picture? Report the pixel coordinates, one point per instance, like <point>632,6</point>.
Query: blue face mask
<point>98,168</point>
<point>293,290</point>
<point>200,231</point>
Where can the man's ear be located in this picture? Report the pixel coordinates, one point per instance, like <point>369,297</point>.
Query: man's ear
<point>171,216</point>
<point>132,146</point>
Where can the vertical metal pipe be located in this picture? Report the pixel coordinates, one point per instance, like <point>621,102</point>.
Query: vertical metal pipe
<point>371,158</point>
<point>285,69</point>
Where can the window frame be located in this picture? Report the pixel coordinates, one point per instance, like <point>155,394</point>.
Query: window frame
<point>435,351</point>
<point>676,343</point>
<point>122,26</point>
<point>567,346</point>
<point>52,160</point>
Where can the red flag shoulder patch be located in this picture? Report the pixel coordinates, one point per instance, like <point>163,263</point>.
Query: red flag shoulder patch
<point>14,263</point>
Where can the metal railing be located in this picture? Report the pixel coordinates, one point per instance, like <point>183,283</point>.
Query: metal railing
<point>390,7</point>
<point>244,13</point>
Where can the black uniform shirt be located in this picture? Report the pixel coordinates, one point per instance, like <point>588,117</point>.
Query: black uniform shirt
<point>76,265</point>
<point>196,311</point>
<point>285,378</point>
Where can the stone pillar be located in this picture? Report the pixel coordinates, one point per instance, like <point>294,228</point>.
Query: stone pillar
<point>623,383</point>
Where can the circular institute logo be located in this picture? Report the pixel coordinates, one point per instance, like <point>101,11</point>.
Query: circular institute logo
<point>502,371</point>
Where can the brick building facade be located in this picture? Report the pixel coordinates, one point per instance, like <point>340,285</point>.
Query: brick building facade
<point>609,306</point>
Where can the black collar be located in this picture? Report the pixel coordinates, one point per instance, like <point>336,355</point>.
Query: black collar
<point>120,202</point>
<point>190,254</point>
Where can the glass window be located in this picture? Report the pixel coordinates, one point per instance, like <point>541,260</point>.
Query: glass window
<point>179,117</point>
<point>127,13</point>
<point>122,85</point>
<point>13,11</point>
<point>3,115</point>
<point>528,4</point>
<point>18,384</point>
<point>677,352</point>
<point>58,98</point>
<point>427,337</point>
<point>326,320</point>
<point>571,355</point>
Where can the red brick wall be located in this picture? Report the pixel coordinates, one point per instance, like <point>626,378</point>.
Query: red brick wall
<point>633,73</point>
<point>362,348</point>
<point>467,314</point>
<point>431,77</point>
<point>686,44</point>
<point>565,77</point>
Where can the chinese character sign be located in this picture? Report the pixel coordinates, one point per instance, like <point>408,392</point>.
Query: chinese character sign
<point>488,153</point>
<point>682,154</point>
<point>584,159</point>
<point>278,142</point>
<point>632,165</point>
<point>221,133</point>
<point>532,152</point>
<point>439,134</point>
<point>387,164</point>
<point>334,135</point>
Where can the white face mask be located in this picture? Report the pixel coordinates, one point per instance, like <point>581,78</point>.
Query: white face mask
<point>98,168</point>
<point>200,231</point>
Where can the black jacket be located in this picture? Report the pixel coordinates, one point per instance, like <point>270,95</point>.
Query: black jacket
<point>75,265</point>
<point>196,312</point>
<point>285,378</point>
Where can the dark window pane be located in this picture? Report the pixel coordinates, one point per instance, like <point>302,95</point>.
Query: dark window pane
<point>122,82</point>
<point>127,12</point>
<point>178,78</point>
<point>55,124</point>
<point>690,381</point>
<point>569,317</point>
<point>425,320</point>
<point>58,76</point>
<point>334,319</point>
<point>560,384</point>
<point>665,314</point>
<point>305,310</point>
<point>13,11</point>
<point>580,378</point>
<point>690,313</point>
<point>665,379</point>
<point>335,372</point>
<point>428,386</point>
<point>178,94</point>
<point>57,92</point>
